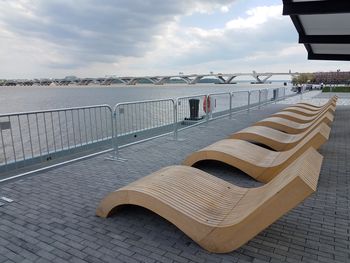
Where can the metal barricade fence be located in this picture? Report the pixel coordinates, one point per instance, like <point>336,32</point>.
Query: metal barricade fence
<point>240,100</point>
<point>264,96</point>
<point>271,93</point>
<point>191,110</point>
<point>254,98</point>
<point>220,104</point>
<point>276,94</point>
<point>37,137</point>
<point>139,120</point>
<point>40,136</point>
<point>281,93</point>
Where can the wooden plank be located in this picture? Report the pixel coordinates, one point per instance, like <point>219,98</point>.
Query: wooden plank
<point>258,162</point>
<point>275,139</point>
<point>217,215</point>
<point>293,127</point>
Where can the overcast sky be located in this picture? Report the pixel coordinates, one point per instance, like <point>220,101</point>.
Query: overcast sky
<point>56,38</point>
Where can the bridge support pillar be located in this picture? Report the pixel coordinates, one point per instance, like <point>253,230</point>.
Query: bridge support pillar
<point>196,79</point>
<point>228,81</point>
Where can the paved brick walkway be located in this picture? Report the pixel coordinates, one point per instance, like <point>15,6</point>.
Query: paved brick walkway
<point>52,217</point>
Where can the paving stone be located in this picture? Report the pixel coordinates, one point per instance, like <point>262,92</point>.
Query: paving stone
<point>53,216</point>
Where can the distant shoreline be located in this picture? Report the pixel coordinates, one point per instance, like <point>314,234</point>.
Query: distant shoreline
<point>144,85</point>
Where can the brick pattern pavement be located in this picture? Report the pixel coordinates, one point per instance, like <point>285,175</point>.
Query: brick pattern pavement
<point>52,217</point>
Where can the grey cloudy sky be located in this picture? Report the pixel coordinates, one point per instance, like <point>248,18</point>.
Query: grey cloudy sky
<point>55,38</point>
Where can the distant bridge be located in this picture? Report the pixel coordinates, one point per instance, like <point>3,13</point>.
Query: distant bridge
<point>156,80</point>
<point>195,78</point>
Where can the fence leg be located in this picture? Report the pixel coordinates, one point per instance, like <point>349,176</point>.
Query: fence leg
<point>231,95</point>
<point>175,121</point>
<point>115,155</point>
<point>249,94</point>
<point>207,109</point>
<point>176,128</point>
<point>277,95</point>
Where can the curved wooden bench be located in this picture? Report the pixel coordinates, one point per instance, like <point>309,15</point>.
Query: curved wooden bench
<point>314,108</point>
<point>310,106</point>
<point>258,162</point>
<point>292,127</point>
<point>298,116</point>
<point>217,215</point>
<point>307,112</point>
<point>275,139</point>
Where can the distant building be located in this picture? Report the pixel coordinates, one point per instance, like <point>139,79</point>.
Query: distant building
<point>336,77</point>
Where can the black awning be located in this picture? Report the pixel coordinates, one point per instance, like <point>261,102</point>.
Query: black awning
<point>323,27</point>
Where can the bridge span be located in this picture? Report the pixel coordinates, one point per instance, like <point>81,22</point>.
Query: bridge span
<point>195,78</point>
<point>226,78</point>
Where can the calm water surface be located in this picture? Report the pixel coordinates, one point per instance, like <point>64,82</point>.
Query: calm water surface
<point>19,99</point>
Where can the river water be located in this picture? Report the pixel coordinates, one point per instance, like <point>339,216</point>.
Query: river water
<point>20,99</point>
<point>36,136</point>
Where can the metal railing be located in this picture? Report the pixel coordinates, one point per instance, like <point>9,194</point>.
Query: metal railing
<point>183,110</point>
<point>28,138</point>
<point>139,120</point>
<point>40,136</point>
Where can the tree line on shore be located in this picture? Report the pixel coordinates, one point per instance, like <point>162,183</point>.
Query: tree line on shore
<point>337,77</point>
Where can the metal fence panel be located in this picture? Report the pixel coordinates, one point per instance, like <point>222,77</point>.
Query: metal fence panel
<point>220,104</point>
<point>264,94</point>
<point>191,110</point>
<point>38,136</point>
<point>139,120</point>
<point>254,97</point>
<point>240,100</point>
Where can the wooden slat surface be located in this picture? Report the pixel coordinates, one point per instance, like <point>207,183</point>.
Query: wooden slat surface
<point>310,106</point>
<point>217,215</point>
<point>299,117</point>
<point>258,162</point>
<point>275,139</point>
<point>308,112</point>
<point>292,127</point>
<point>220,216</point>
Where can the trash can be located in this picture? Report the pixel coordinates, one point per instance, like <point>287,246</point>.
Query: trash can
<point>299,89</point>
<point>194,109</point>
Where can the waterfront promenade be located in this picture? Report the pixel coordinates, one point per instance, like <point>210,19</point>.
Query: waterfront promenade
<point>52,216</point>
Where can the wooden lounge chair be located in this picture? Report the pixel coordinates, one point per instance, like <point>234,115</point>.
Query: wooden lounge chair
<point>332,100</point>
<point>315,108</point>
<point>275,139</point>
<point>292,127</point>
<point>217,215</point>
<point>258,162</point>
<point>299,117</point>
<point>307,112</point>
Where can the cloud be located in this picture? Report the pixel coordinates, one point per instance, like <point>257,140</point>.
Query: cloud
<point>256,16</point>
<point>41,38</point>
<point>261,39</point>
<point>262,31</point>
<point>89,31</point>
<point>225,9</point>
